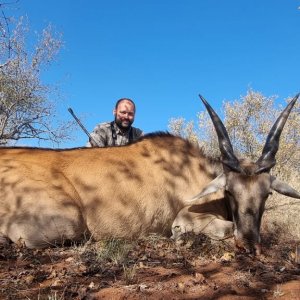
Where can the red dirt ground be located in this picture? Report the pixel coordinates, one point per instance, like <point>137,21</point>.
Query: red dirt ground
<point>153,268</point>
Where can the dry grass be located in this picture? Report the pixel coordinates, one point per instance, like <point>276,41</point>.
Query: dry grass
<point>113,250</point>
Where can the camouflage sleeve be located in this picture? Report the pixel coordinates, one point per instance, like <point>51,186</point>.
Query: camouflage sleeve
<point>99,135</point>
<point>137,133</point>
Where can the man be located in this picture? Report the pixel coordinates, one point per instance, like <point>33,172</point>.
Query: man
<point>120,131</point>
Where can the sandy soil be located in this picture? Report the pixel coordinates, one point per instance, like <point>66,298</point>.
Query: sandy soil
<point>152,268</point>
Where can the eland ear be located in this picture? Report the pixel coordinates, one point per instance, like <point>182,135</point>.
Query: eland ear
<point>283,188</point>
<point>214,186</point>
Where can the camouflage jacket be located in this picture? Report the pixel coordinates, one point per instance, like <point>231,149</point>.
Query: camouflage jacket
<point>108,134</point>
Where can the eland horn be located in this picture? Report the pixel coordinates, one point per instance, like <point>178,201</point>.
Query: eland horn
<point>267,159</point>
<point>228,157</point>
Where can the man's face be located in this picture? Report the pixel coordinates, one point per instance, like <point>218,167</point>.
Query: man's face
<point>124,114</point>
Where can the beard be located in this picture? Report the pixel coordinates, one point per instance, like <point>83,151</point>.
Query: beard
<point>123,125</point>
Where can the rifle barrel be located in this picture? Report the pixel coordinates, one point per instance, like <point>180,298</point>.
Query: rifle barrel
<point>80,124</point>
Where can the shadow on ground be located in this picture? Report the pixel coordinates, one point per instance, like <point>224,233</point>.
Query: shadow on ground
<point>152,268</point>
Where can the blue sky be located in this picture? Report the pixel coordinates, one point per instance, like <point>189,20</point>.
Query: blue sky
<point>163,53</point>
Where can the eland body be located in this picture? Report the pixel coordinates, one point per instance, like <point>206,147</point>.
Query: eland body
<point>49,196</point>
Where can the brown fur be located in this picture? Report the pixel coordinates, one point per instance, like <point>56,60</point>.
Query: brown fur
<point>48,196</point>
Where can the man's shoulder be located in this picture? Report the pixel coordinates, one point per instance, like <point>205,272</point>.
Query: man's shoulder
<point>137,131</point>
<point>103,125</point>
<point>102,128</point>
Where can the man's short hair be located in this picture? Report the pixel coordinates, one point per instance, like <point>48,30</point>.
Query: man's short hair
<point>124,99</point>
